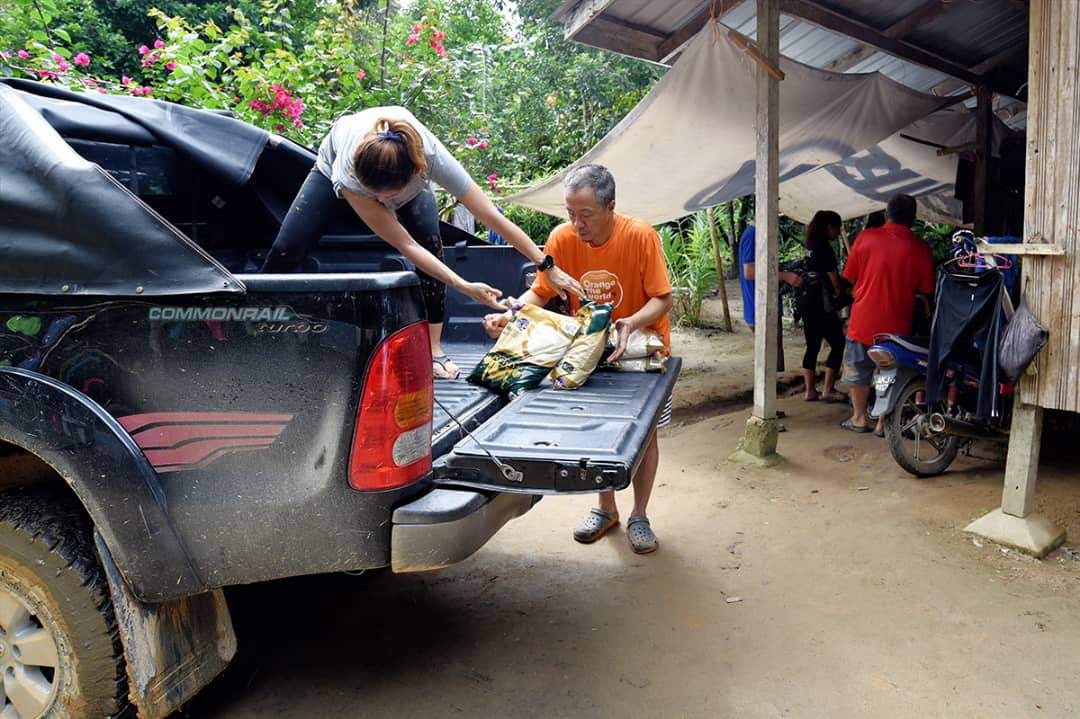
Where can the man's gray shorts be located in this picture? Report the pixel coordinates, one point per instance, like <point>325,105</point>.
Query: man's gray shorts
<point>858,367</point>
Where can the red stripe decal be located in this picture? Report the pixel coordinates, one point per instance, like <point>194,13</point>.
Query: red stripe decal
<point>134,422</point>
<point>196,452</point>
<point>170,435</point>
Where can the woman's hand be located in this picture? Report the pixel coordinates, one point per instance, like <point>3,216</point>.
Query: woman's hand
<point>563,283</point>
<point>484,294</point>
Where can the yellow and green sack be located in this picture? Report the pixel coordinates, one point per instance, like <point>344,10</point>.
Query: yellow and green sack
<point>587,348</point>
<point>530,346</point>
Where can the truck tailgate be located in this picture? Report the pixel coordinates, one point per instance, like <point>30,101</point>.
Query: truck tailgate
<point>564,442</point>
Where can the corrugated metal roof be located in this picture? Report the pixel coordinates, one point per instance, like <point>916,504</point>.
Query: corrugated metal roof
<point>966,32</point>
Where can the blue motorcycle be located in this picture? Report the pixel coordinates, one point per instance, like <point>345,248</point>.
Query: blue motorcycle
<point>927,427</point>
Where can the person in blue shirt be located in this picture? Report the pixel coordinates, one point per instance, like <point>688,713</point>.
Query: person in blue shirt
<point>747,250</point>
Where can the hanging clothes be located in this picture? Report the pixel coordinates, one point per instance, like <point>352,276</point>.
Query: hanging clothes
<point>967,329</point>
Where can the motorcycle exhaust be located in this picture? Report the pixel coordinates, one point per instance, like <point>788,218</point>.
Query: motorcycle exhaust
<point>940,424</point>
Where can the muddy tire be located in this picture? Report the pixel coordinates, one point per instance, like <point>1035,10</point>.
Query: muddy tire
<point>915,451</point>
<point>60,652</point>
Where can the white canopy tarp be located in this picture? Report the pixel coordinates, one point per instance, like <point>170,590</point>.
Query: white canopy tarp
<point>690,143</point>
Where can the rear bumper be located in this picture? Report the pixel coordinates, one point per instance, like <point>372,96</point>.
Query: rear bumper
<point>446,526</point>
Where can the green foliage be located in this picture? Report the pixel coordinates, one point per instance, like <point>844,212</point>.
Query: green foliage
<point>512,100</point>
<point>691,267</point>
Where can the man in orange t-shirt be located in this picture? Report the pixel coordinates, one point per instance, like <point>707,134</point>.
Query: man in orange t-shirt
<point>618,260</point>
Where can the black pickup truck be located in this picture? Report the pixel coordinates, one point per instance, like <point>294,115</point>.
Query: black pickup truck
<point>172,423</point>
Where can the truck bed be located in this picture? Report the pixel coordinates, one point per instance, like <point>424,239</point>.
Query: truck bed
<point>469,404</point>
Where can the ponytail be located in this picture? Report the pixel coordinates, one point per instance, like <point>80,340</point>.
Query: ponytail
<point>389,156</point>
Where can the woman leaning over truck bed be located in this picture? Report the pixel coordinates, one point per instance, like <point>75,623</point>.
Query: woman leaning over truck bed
<point>381,161</point>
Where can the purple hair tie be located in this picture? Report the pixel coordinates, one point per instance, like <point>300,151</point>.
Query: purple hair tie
<point>394,136</point>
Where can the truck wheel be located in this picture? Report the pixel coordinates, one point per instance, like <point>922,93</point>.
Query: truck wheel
<point>60,652</point>
<point>911,443</point>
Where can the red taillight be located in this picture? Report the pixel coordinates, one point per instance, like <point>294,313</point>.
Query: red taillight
<point>392,439</point>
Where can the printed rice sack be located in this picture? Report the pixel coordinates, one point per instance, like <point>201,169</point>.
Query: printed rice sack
<point>587,348</point>
<point>531,344</point>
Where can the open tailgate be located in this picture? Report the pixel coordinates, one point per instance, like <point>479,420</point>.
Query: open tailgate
<point>564,442</point>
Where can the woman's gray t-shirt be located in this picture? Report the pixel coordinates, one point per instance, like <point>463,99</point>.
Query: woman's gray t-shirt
<point>337,148</point>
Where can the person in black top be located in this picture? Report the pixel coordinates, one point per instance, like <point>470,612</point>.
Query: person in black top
<point>818,305</point>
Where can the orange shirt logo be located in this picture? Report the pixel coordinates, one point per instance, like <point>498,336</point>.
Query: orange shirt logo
<point>603,287</point>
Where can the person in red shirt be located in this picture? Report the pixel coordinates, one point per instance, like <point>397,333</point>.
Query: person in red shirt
<point>618,260</point>
<point>887,266</point>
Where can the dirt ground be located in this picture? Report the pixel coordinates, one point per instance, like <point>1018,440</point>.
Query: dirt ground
<point>833,585</point>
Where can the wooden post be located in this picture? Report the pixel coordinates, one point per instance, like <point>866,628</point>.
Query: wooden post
<point>761,430</point>
<point>983,149</point>
<point>1022,465</point>
<point>719,261</point>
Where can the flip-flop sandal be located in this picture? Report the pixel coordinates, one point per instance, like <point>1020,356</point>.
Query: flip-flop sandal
<point>879,433</point>
<point>852,427</point>
<point>595,525</point>
<point>833,398</point>
<point>815,398</point>
<point>640,534</point>
<point>441,368</point>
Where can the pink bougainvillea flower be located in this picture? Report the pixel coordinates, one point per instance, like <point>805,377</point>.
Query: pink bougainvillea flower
<point>89,82</point>
<point>438,36</point>
<point>136,90</point>
<point>470,140</point>
<point>297,122</point>
<point>279,128</point>
<point>417,27</point>
<point>82,59</point>
<point>144,50</point>
<point>147,90</point>
<point>159,44</point>
<point>23,55</point>
<point>58,58</point>
<point>6,55</point>
<point>125,80</point>
<point>492,180</point>
<point>63,66</point>
<point>482,145</point>
<point>170,66</point>
<point>412,39</point>
<point>101,90</point>
<point>440,51</point>
<point>361,74</point>
<point>46,74</point>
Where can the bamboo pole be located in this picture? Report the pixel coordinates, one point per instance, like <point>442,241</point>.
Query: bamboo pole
<point>719,261</point>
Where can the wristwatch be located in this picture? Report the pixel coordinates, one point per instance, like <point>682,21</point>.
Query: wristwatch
<point>546,264</point>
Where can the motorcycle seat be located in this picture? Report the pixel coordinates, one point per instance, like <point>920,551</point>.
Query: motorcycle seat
<point>920,345</point>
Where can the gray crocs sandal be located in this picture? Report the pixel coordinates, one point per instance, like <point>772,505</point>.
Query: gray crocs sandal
<point>642,539</point>
<point>595,525</point>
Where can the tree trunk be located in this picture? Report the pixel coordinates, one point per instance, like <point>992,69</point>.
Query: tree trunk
<point>720,280</point>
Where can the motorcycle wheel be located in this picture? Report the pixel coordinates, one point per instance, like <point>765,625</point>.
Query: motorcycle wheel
<point>912,444</point>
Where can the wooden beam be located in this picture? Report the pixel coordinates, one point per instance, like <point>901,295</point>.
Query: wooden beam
<point>675,42</point>
<point>767,214</point>
<point>581,15</point>
<point>1022,463</point>
<point>999,59</point>
<point>1042,249</point>
<point>984,140</point>
<point>916,18</point>
<point>897,30</point>
<point>829,19</point>
<point>608,35</point>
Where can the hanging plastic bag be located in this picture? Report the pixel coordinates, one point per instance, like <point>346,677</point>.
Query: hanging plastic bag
<point>531,344</point>
<point>586,350</point>
<point>1020,342</point>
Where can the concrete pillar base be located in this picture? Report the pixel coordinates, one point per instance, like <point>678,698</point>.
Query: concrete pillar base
<point>741,456</point>
<point>759,439</point>
<point>1033,534</point>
